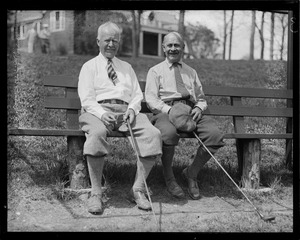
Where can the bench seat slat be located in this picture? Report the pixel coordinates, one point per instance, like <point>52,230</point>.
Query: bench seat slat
<point>66,132</point>
<point>45,132</point>
<point>259,135</point>
<point>53,132</point>
<point>247,135</point>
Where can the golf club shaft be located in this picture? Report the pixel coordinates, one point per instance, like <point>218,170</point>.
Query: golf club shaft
<point>228,175</point>
<point>138,158</point>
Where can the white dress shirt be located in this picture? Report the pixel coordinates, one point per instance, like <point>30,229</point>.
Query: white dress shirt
<point>94,85</point>
<point>161,86</point>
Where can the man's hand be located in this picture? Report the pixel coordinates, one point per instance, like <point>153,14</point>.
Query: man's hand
<point>197,114</point>
<point>108,118</point>
<point>130,114</point>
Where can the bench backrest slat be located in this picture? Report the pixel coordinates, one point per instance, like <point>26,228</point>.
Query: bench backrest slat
<point>248,92</point>
<point>71,82</point>
<point>62,103</point>
<point>241,92</point>
<point>249,111</point>
<point>67,103</point>
<point>60,81</point>
<point>72,102</point>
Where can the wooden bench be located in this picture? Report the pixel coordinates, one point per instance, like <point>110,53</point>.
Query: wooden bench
<point>248,144</point>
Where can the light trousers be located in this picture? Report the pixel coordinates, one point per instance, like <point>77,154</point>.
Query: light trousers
<point>148,138</point>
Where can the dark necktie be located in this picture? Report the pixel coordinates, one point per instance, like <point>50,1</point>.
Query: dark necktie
<point>179,82</point>
<point>111,72</point>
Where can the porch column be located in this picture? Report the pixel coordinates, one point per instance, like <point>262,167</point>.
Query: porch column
<point>141,43</point>
<point>159,45</point>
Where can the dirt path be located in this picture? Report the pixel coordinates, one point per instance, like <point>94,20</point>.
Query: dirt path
<point>209,214</point>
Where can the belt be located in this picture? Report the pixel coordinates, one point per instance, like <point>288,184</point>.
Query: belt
<point>184,101</point>
<point>113,101</point>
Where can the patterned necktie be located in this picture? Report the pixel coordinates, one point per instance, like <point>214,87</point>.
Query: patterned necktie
<point>179,82</point>
<point>111,72</point>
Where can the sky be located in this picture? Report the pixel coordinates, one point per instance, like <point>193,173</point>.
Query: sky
<point>214,20</point>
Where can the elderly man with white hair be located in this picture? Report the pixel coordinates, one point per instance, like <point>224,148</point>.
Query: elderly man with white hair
<point>110,95</point>
<point>174,93</point>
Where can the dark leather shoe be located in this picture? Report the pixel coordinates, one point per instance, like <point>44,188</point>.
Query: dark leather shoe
<point>95,204</point>
<point>140,199</point>
<point>174,189</point>
<point>193,188</point>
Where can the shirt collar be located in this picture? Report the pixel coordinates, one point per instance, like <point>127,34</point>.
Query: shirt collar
<point>170,64</point>
<point>103,58</point>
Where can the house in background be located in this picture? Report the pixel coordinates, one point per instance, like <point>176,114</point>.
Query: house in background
<point>64,35</point>
<point>61,26</point>
<point>153,32</point>
<point>25,20</point>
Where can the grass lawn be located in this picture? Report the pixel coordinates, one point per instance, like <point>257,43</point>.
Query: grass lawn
<point>38,164</point>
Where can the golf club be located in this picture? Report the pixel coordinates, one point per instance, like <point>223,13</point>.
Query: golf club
<point>138,158</point>
<point>265,218</point>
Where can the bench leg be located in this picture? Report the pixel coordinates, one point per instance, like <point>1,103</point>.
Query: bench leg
<point>289,142</point>
<point>288,153</point>
<point>78,173</point>
<point>251,163</point>
<point>240,156</point>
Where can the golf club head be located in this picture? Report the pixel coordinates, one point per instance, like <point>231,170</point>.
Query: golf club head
<point>268,218</point>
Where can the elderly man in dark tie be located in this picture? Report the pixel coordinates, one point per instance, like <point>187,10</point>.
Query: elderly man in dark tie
<point>110,95</point>
<point>169,83</point>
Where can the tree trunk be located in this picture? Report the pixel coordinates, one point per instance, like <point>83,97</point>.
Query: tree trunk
<point>230,41</point>
<point>272,36</point>
<point>284,25</point>
<point>252,36</point>
<point>134,43</point>
<point>181,23</point>
<point>12,119</point>
<point>262,40</point>
<point>225,36</point>
<point>15,30</point>
<point>181,30</point>
<point>137,32</point>
<point>289,103</point>
<point>282,44</point>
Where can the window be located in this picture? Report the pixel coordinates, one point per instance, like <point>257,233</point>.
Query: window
<point>150,44</point>
<point>57,21</point>
<point>21,32</point>
<point>38,27</point>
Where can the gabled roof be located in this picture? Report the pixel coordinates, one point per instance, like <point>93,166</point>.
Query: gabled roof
<point>27,16</point>
<point>163,16</point>
<point>166,17</point>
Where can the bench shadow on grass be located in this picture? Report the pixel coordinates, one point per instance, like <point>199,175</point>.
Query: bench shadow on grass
<point>212,183</point>
<point>120,177</point>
